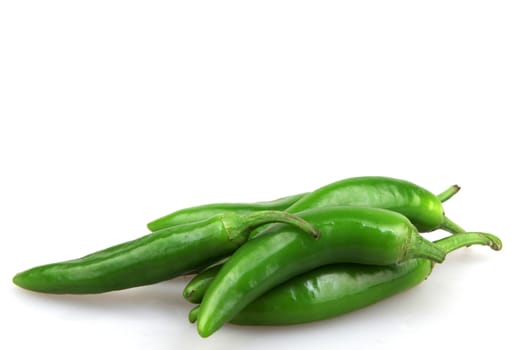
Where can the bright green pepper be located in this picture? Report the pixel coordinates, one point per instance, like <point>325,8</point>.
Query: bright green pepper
<point>202,212</point>
<point>348,234</point>
<point>333,290</point>
<point>420,206</point>
<point>153,258</point>
<point>195,289</point>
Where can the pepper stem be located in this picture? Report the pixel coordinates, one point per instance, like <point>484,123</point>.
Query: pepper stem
<point>448,193</point>
<point>467,239</point>
<point>254,220</point>
<point>450,226</point>
<point>419,247</point>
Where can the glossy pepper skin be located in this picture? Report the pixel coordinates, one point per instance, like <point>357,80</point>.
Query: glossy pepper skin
<point>329,291</point>
<point>420,206</point>
<point>196,288</point>
<point>202,212</point>
<point>316,295</point>
<point>152,258</point>
<point>333,290</point>
<point>348,234</point>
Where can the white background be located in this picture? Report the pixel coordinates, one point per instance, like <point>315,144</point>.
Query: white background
<point>116,112</point>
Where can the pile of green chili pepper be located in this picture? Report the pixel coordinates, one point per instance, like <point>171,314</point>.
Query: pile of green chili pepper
<point>298,259</point>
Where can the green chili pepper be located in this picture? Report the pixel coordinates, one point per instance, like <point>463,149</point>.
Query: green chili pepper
<point>195,289</point>
<point>420,206</point>
<point>336,289</point>
<point>348,234</point>
<point>193,314</point>
<point>155,257</point>
<point>202,212</point>
<point>332,291</point>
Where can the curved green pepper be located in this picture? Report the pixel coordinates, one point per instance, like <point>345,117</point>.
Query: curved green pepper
<point>348,234</point>
<point>153,258</point>
<point>202,212</point>
<point>333,290</point>
<point>195,289</point>
<point>420,206</point>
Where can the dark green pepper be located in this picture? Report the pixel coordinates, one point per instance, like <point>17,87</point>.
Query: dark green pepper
<point>195,289</point>
<point>420,206</point>
<point>202,212</point>
<point>348,234</point>
<point>153,258</point>
<point>333,290</point>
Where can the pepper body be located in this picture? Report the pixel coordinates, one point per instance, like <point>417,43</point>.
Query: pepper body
<point>153,258</point>
<point>419,205</point>
<point>372,191</point>
<point>202,212</point>
<point>195,289</point>
<point>348,234</point>
<point>331,291</point>
<point>325,292</point>
<point>336,289</point>
<point>422,207</point>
